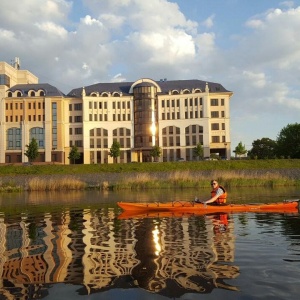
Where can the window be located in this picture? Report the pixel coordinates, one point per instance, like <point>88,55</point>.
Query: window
<point>78,130</point>
<point>78,119</point>
<point>215,126</point>
<point>78,106</point>
<point>13,139</point>
<point>214,102</point>
<point>4,80</point>
<point>222,102</point>
<point>38,134</point>
<point>78,143</point>
<point>214,114</point>
<point>215,139</point>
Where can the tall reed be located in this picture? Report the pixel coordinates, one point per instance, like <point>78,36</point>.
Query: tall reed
<point>43,184</point>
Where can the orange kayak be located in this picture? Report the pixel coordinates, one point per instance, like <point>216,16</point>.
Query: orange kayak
<point>180,207</point>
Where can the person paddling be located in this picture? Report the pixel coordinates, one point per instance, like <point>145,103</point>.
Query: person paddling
<point>218,195</point>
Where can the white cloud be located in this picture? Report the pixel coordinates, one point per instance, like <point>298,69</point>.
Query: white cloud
<point>88,20</point>
<point>6,35</point>
<point>118,78</point>
<point>136,38</point>
<point>209,22</point>
<point>288,4</point>
<point>52,28</point>
<point>257,80</point>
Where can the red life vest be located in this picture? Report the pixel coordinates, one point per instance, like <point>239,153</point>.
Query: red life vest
<point>221,199</point>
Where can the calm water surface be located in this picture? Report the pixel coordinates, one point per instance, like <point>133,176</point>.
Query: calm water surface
<point>75,245</point>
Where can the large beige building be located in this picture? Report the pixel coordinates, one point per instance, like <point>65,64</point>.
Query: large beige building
<point>175,115</point>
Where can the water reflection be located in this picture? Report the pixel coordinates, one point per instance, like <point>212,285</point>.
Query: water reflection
<point>168,256</point>
<point>76,239</point>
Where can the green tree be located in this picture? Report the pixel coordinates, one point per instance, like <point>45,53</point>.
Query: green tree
<point>240,149</point>
<point>198,151</point>
<point>263,149</point>
<point>288,141</point>
<point>32,151</point>
<point>155,152</point>
<point>74,154</point>
<point>115,151</point>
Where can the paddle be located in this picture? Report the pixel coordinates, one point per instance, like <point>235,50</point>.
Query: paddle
<point>291,200</point>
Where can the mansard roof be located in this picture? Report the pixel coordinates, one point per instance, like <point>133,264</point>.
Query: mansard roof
<point>50,90</point>
<point>165,85</point>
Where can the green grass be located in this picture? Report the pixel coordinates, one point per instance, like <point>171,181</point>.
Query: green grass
<point>36,169</point>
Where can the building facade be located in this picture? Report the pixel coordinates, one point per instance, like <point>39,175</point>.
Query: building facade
<point>175,115</point>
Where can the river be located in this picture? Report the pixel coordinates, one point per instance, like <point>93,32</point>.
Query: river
<point>75,245</point>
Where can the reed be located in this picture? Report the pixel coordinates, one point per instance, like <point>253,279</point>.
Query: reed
<point>187,179</point>
<point>42,184</point>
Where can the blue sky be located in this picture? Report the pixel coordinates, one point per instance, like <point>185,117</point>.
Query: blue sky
<point>251,47</point>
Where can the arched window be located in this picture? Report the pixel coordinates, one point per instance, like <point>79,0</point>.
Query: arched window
<point>9,94</point>
<point>42,93</point>
<point>98,138</point>
<point>32,94</point>
<point>19,94</point>
<point>194,135</point>
<point>14,139</point>
<point>38,134</point>
<point>171,136</point>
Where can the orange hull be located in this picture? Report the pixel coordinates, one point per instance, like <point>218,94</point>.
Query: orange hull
<point>179,207</point>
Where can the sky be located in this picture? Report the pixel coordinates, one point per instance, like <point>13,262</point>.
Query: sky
<point>251,47</point>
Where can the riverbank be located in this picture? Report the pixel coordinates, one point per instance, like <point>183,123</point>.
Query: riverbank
<point>148,180</point>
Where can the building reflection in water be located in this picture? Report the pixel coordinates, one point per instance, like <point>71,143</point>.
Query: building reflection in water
<point>93,248</point>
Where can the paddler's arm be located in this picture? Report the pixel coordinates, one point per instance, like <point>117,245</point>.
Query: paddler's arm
<point>214,198</point>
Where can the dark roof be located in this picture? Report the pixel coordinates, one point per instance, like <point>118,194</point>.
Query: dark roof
<point>166,86</point>
<point>50,90</point>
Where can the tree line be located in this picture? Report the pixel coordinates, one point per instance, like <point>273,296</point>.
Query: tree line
<point>286,145</point>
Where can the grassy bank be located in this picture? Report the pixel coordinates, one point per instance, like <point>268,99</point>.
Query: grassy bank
<point>49,169</point>
<point>236,173</point>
